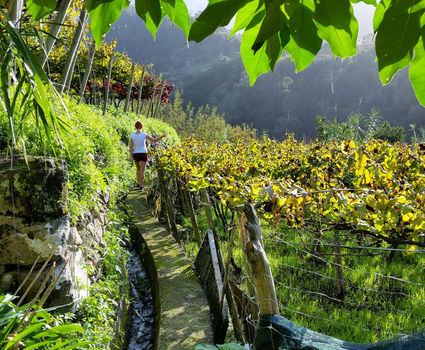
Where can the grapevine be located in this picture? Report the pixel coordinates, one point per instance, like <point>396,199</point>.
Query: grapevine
<point>374,189</point>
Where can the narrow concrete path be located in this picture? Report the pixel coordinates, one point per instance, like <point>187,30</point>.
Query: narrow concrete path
<point>185,317</point>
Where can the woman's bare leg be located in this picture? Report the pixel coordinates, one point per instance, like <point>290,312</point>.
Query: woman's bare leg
<point>139,172</point>
<point>142,172</point>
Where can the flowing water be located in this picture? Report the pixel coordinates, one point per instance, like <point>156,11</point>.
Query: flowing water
<point>141,314</point>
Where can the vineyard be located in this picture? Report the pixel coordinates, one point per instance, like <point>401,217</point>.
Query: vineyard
<point>343,226</point>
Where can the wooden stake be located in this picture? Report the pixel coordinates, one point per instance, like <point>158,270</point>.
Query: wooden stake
<point>192,216</point>
<point>261,272</point>
<point>206,206</point>
<point>340,284</point>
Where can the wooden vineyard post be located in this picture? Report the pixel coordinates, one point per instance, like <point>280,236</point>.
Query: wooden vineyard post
<point>130,87</point>
<point>192,216</point>
<point>171,224</point>
<point>237,326</point>
<point>206,206</point>
<point>249,286</point>
<point>340,284</point>
<point>105,102</point>
<point>259,265</point>
<point>139,95</point>
<point>90,57</point>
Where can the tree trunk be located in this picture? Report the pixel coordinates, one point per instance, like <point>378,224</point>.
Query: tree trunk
<point>68,70</point>
<point>108,80</point>
<point>90,57</point>
<point>130,86</point>
<point>54,31</point>
<point>260,268</point>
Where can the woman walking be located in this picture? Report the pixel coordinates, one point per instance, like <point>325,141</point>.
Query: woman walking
<point>138,151</point>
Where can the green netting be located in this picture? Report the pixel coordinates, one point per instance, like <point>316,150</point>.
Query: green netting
<point>275,332</point>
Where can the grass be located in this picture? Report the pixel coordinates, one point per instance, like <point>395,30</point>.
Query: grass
<point>375,307</point>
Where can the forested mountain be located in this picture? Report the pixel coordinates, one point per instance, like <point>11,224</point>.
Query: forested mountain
<point>211,72</point>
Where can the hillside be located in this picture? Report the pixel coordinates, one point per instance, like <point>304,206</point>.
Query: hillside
<point>285,101</point>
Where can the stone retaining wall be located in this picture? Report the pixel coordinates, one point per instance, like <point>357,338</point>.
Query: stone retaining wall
<point>34,224</point>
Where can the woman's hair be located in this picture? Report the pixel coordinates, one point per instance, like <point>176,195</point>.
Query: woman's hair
<point>138,125</point>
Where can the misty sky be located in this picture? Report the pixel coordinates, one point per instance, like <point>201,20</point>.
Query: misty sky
<point>363,12</point>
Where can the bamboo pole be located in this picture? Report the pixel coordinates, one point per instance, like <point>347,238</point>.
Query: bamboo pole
<point>15,12</point>
<point>73,51</point>
<point>262,277</point>
<point>127,98</point>
<point>90,56</point>
<point>54,31</point>
<point>139,97</point>
<point>159,100</point>
<point>105,102</point>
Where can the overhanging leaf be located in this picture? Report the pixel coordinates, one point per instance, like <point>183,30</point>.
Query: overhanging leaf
<point>177,12</point>
<point>304,43</point>
<point>150,11</point>
<point>217,14</point>
<point>397,35</point>
<point>39,9</point>
<point>367,2</point>
<point>417,71</point>
<point>255,63</point>
<point>274,46</point>
<point>337,25</point>
<point>379,13</point>
<point>245,15</point>
<point>272,24</point>
<point>102,15</point>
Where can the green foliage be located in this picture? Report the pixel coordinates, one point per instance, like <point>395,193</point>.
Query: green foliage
<point>227,346</point>
<point>27,97</point>
<point>359,128</point>
<point>97,312</point>
<point>40,333</point>
<point>103,14</point>
<point>206,124</point>
<point>366,194</point>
